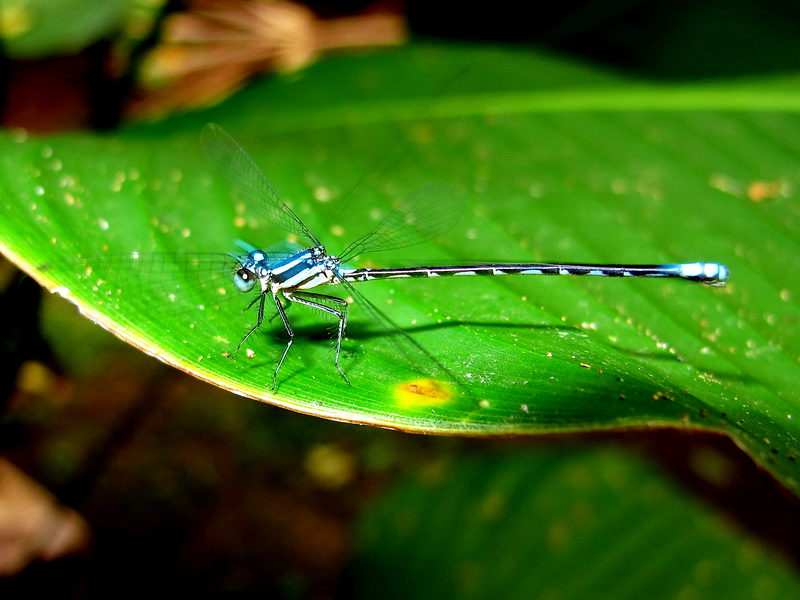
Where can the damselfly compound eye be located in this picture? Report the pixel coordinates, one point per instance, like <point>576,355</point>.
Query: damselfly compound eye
<point>244,280</point>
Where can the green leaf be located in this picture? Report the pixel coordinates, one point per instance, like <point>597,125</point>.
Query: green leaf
<point>564,523</point>
<point>558,163</point>
<point>34,28</point>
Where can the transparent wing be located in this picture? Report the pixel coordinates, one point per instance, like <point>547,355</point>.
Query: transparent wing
<point>186,297</point>
<point>425,216</point>
<point>415,355</point>
<point>246,179</point>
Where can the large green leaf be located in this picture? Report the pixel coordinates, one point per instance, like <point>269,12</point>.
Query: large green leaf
<point>557,162</point>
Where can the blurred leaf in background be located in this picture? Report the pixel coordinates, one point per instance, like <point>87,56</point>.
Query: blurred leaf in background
<point>566,523</point>
<point>209,50</point>
<point>37,28</point>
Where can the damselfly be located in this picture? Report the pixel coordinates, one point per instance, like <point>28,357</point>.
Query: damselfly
<point>290,278</point>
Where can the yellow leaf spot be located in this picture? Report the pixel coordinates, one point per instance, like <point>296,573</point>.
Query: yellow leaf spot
<point>423,392</point>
